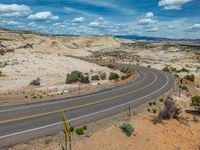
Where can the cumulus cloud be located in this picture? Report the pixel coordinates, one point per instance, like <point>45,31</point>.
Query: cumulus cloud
<point>99,23</point>
<point>44,15</point>
<point>172,4</point>
<point>78,20</point>
<point>194,28</point>
<point>147,21</point>
<point>95,24</point>
<point>14,10</point>
<point>149,15</point>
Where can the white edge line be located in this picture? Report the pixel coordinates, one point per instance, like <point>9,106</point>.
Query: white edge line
<point>91,114</point>
<point>71,99</point>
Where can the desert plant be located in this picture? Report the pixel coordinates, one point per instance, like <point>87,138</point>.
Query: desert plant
<point>114,76</point>
<point>169,111</point>
<point>148,109</point>
<point>166,69</point>
<point>84,127</point>
<point>161,100</point>
<point>79,131</point>
<point>196,102</point>
<point>103,76</point>
<point>154,110</point>
<point>72,128</point>
<point>95,77</point>
<point>190,77</point>
<point>76,76</point>
<point>154,103</point>
<point>127,128</point>
<point>36,82</point>
<point>183,87</point>
<point>111,66</point>
<point>150,103</point>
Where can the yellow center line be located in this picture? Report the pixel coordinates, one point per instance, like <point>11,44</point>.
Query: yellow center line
<point>76,107</point>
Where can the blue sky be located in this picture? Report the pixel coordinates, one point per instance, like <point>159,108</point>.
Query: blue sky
<point>161,18</point>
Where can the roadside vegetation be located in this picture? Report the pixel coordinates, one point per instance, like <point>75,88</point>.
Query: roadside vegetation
<point>127,128</point>
<point>36,82</point>
<point>77,76</point>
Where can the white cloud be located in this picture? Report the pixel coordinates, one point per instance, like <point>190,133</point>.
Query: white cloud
<point>44,15</point>
<point>147,21</point>
<point>194,28</point>
<point>14,10</point>
<point>32,24</point>
<point>172,4</point>
<point>95,24</point>
<point>149,15</point>
<point>12,22</point>
<point>154,29</point>
<point>78,20</point>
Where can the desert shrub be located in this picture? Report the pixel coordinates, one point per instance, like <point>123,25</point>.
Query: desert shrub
<point>1,73</point>
<point>113,76</point>
<point>127,128</point>
<point>183,87</point>
<point>36,82</point>
<point>84,127</point>
<point>150,103</point>
<point>190,77</point>
<point>154,103</point>
<point>169,111</point>
<point>76,76</point>
<point>176,75</point>
<point>95,77</point>
<point>196,102</point>
<point>154,111</point>
<point>161,99</point>
<point>72,128</point>
<point>184,70</point>
<point>148,109</point>
<point>166,69</point>
<point>79,131</point>
<point>103,76</point>
<point>111,66</point>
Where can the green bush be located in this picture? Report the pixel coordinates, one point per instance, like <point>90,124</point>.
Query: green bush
<point>79,131</point>
<point>183,87</point>
<point>103,76</point>
<point>111,66</point>
<point>148,110</point>
<point>84,127</point>
<point>113,76</point>
<point>150,103</point>
<point>76,76</point>
<point>72,128</point>
<point>95,77</point>
<point>196,101</point>
<point>127,128</point>
<point>166,69</point>
<point>161,99</point>
<point>190,77</point>
<point>154,111</point>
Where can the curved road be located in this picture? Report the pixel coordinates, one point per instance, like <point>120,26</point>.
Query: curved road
<point>24,122</point>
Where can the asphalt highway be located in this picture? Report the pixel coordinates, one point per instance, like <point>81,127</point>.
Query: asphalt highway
<point>24,122</point>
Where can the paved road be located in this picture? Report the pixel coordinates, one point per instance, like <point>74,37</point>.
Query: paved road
<point>24,122</point>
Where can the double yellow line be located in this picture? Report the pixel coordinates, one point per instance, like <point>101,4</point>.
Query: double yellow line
<point>80,106</point>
